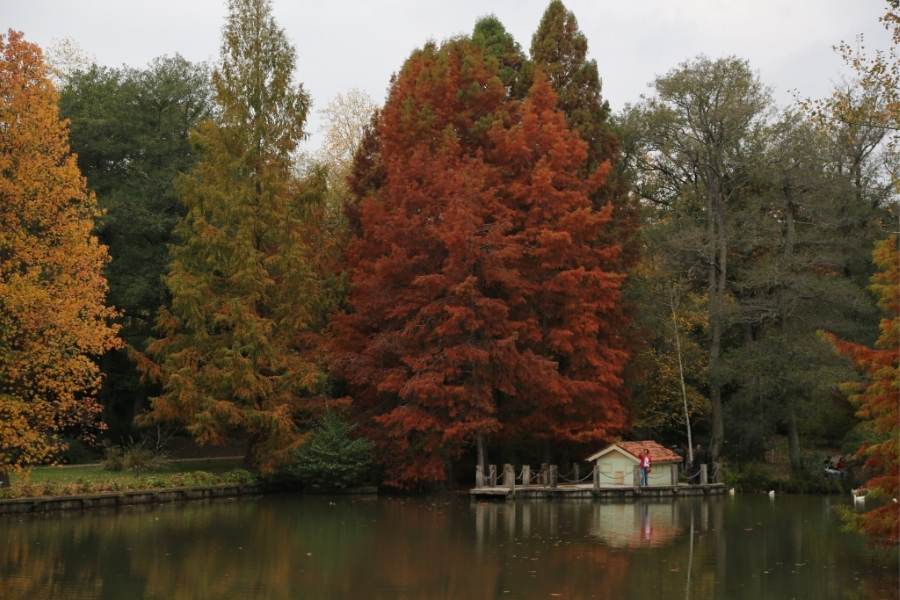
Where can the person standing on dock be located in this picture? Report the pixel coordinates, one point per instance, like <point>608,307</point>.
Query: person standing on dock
<point>645,467</point>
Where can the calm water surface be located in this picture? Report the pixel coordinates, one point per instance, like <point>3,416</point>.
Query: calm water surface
<point>286,546</point>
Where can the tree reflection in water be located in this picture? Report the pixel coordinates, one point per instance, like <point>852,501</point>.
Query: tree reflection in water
<point>290,547</point>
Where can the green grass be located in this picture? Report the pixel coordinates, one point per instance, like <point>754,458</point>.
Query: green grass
<point>89,479</point>
<point>78,473</point>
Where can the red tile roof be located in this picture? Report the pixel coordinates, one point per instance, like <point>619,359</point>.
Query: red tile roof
<point>658,453</point>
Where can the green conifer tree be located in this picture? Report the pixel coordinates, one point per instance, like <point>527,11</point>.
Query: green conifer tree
<point>560,49</point>
<point>244,292</point>
<point>513,66</point>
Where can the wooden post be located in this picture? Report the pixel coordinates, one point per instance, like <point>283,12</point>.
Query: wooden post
<point>703,476</point>
<point>597,475</point>
<point>577,469</point>
<point>492,475</point>
<point>479,476</point>
<point>509,476</point>
<point>526,475</point>
<point>553,475</point>
<point>545,474</point>
<point>674,473</point>
<point>637,476</point>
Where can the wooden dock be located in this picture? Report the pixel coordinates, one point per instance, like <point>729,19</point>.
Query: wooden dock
<point>589,491</point>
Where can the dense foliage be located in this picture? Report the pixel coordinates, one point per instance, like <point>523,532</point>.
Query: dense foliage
<point>493,262</point>
<point>130,133</point>
<point>231,356</point>
<point>54,320</point>
<point>478,285</point>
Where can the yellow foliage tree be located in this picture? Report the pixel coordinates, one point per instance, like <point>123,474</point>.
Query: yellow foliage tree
<point>53,315</point>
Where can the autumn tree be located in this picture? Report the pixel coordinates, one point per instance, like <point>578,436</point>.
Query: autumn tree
<point>231,355</point>
<point>366,173</point>
<point>862,118</point>
<point>876,397</point>
<point>53,316</point>
<point>478,286</point>
<point>345,119</point>
<point>64,58</point>
<point>667,394</point>
<point>560,49</point>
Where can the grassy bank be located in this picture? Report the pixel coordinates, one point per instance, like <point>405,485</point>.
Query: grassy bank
<point>89,479</point>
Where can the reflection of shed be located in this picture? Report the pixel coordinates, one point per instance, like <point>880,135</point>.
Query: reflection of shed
<point>635,523</point>
<point>617,464</point>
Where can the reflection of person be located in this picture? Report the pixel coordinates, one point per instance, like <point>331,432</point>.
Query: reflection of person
<point>646,527</point>
<point>645,467</point>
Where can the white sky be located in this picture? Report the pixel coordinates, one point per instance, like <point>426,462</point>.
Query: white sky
<point>342,44</point>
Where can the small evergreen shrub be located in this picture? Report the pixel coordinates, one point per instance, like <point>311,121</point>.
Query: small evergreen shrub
<point>332,458</point>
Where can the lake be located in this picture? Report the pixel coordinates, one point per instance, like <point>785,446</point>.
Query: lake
<point>289,546</point>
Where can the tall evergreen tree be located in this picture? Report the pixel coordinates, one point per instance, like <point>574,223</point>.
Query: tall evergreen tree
<point>232,361</point>
<point>560,49</point>
<point>53,315</point>
<point>512,64</point>
<point>129,129</point>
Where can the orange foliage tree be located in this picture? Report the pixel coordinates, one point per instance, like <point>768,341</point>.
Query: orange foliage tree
<point>233,353</point>
<point>53,315</point>
<point>478,287</point>
<point>877,398</point>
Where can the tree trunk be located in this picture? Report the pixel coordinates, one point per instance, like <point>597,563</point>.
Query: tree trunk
<point>784,309</point>
<point>451,479</point>
<point>716,290</point>
<point>687,415</point>
<point>250,462</point>
<point>793,439</point>
<point>4,478</point>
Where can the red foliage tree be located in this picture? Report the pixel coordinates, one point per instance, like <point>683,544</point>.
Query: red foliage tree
<point>478,289</point>
<point>877,398</point>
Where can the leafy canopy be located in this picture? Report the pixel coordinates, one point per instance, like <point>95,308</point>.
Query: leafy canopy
<point>54,320</point>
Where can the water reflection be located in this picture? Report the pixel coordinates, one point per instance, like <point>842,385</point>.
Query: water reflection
<point>623,525</point>
<point>293,547</point>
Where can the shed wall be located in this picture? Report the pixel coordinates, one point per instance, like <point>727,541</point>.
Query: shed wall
<point>617,469</point>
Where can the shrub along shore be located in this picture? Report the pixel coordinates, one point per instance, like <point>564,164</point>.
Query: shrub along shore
<point>76,487</point>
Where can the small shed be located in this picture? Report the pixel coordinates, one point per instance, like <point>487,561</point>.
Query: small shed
<point>617,464</point>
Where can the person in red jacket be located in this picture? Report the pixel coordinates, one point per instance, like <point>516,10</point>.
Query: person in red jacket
<point>645,467</point>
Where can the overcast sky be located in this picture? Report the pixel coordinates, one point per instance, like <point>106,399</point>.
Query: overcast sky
<point>342,44</point>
